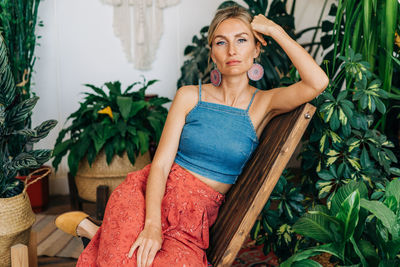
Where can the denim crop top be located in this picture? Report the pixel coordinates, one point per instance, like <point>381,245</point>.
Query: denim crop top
<point>217,140</point>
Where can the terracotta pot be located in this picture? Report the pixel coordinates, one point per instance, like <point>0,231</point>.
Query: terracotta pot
<point>88,178</point>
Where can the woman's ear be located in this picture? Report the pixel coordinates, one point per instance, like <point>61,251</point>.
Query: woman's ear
<point>212,57</point>
<point>258,49</point>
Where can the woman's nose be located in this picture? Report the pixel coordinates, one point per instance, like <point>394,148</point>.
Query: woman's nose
<point>231,49</point>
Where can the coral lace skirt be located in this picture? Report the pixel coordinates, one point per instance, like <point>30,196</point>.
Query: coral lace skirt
<point>188,209</point>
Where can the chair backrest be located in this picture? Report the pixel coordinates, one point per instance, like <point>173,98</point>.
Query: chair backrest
<point>247,197</point>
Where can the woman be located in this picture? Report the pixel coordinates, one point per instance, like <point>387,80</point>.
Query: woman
<point>210,132</point>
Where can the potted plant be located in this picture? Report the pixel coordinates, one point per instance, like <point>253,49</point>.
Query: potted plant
<point>354,229</point>
<point>110,134</point>
<point>16,215</point>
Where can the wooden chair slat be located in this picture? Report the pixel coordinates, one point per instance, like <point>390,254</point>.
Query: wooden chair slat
<point>247,197</point>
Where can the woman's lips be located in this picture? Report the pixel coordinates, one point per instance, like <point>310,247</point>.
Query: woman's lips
<point>232,62</point>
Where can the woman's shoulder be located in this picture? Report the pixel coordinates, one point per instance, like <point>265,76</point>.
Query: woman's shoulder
<point>188,93</point>
<point>187,97</point>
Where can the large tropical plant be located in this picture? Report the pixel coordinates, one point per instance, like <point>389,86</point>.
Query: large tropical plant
<point>369,28</point>
<point>343,145</point>
<point>347,227</point>
<point>116,121</point>
<point>18,22</point>
<point>12,113</point>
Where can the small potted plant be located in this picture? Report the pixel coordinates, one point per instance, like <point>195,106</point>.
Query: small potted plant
<point>110,135</point>
<point>16,215</point>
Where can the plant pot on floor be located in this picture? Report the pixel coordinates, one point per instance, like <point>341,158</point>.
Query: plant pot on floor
<point>88,178</point>
<point>16,220</point>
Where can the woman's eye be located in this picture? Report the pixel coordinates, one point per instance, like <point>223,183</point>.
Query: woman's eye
<point>242,40</point>
<point>220,43</point>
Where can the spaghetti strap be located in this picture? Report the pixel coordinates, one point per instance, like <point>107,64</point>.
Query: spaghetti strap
<point>252,98</point>
<point>199,90</point>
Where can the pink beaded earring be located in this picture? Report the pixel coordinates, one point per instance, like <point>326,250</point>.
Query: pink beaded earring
<point>256,72</point>
<point>215,76</point>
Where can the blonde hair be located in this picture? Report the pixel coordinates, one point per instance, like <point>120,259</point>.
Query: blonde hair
<point>234,12</point>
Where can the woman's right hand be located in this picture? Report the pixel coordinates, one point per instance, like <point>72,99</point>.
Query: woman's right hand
<point>148,244</point>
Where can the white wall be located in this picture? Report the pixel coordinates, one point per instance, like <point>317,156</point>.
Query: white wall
<point>78,46</point>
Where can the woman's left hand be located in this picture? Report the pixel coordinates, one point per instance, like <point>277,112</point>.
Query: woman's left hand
<point>262,26</point>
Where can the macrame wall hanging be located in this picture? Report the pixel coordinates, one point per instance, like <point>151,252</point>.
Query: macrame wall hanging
<point>139,25</point>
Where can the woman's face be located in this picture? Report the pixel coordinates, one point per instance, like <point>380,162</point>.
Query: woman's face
<point>233,47</point>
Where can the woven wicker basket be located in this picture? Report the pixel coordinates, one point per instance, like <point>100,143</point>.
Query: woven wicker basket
<point>16,219</point>
<point>89,178</point>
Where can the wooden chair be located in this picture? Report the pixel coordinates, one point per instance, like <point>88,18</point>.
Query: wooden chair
<point>245,200</point>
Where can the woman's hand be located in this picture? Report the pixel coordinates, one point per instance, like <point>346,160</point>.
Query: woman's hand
<point>262,26</point>
<point>148,243</point>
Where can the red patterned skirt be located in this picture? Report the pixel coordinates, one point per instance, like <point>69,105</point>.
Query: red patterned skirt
<point>188,209</point>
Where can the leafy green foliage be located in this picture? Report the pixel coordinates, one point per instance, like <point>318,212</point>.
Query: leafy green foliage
<point>349,233</point>
<point>12,114</point>
<point>274,226</point>
<point>272,58</point>
<point>18,21</point>
<point>115,121</point>
<point>368,27</point>
<point>343,144</point>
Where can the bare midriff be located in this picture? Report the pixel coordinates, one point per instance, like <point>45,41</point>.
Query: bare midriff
<point>217,186</point>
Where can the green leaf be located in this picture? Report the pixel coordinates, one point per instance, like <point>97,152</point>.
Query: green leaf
<point>22,111</point>
<point>353,162</point>
<point>368,250</point>
<point>334,123</point>
<point>326,175</point>
<point>97,90</point>
<point>131,151</point>
<point>395,171</point>
<point>98,141</point>
<point>73,162</point>
<point>344,191</point>
<point>137,106</point>
<point>358,252</point>
<point>364,159</point>
<point>41,155</point>
<point>330,248</point>
<point>143,141</point>
<point>22,161</point>
<point>314,226</point>
<point>124,104</point>
<point>109,149</point>
<point>383,213</point>
<point>393,189</point>
<point>42,130</point>
<point>380,105</point>
<point>322,143</point>
<point>342,95</point>
<point>348,214</point>
<point>62,147</point>
<point>364,101</point>
<point>257,227</point>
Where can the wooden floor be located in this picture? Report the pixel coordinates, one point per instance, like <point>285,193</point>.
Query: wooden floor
<point>58,205</point>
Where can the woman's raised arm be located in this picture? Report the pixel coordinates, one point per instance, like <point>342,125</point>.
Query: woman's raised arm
<point>313,78</point>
